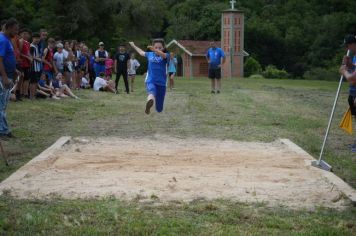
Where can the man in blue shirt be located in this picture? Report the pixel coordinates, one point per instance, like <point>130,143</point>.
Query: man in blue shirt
<point>214,56</point>
<point>7,72</point>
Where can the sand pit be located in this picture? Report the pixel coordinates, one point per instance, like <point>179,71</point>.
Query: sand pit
<point>170,169</point>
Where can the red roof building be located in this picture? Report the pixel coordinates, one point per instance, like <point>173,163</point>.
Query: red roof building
<point>192,53</point>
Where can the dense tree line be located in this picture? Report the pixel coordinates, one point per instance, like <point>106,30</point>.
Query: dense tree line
<point>302,37</point>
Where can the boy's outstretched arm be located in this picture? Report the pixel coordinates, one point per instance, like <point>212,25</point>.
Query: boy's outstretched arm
<point>158,52</point>
<point>138,50</point>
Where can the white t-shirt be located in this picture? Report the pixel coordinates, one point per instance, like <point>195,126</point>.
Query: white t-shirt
<point>84,82</point>
<point>99,83</point>
<point>134,64</point>
<point>65,53</point>
<point>58,59</point>
<point>97,54</point>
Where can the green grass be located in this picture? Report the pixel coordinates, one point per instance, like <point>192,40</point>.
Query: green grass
<point>248,110</point>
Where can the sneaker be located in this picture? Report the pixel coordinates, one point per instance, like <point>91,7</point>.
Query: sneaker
<point>218,91</point>
<point>212,91</point>
<point>149,105</point>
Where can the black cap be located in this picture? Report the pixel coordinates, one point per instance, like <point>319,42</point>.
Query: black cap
<point>349,39</point>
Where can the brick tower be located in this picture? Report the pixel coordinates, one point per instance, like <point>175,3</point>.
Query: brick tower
<point>232,41</point>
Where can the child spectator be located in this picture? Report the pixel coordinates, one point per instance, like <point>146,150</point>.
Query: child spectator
<point>84,59</point>
<point>36,64</point>
<point>62,90</point>
<point>133,66</point>
<point>109,62</point>
<point>85,81</point>
<point>103,85</point>
<point>77,52</point>
<point>45,88</point>
<point>59,59</point>
<point>26,61</point>
<point>91,64</point>
<point>47,59</point>
<point>172,70</point>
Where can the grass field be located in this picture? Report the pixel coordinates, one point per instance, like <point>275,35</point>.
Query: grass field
<point>248,110</point>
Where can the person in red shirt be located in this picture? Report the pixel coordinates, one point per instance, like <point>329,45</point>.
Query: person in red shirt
<point>25,64</point>
<point>15,41</point>
<point>47,58</point>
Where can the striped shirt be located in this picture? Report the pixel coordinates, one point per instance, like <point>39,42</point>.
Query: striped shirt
<point>36,65</point>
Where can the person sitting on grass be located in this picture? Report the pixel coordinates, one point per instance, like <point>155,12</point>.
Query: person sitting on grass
<point>103,85</point>
<point>84,84</point>
<point>156,79</point>
<point>62,90</point>
<point>44,89</point>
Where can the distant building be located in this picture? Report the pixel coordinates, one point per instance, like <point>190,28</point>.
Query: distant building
<point>191,53</point>
<point>232,39</point>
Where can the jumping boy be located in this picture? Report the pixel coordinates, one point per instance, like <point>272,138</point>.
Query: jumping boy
<point>157,73</point>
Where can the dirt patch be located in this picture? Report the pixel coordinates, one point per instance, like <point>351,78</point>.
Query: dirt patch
<point>170,169</point>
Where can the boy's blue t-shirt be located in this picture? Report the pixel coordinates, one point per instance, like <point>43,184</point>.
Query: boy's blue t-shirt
<point>91,60</point>
<point>8,55</point>
<point>82,60</point>
<point>215,55</point>
<point>157,69</point>
<point>42,83</point>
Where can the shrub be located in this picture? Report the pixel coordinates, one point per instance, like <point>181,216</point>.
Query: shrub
<point>319,73</point>
<point>252,66</point>
<point>256,76</point>
<point>272,72</point>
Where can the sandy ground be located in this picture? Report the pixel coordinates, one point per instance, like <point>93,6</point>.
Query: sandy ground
<point>170,169</point>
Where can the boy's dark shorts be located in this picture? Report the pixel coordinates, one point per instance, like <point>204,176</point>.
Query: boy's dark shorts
<point>215,73</point>
<point>26,73</point>
<point>35,77</point>
<point>102,89</point>
<point>352,105</point>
